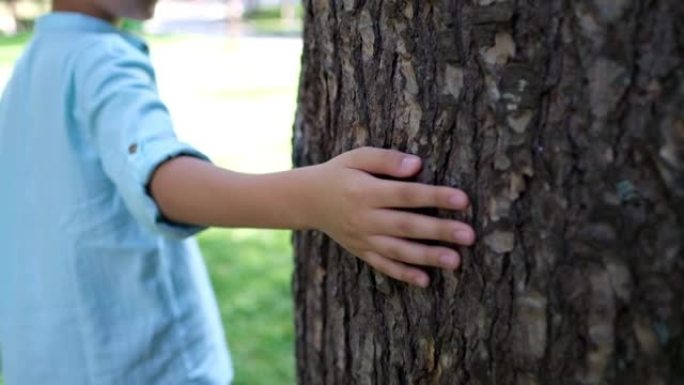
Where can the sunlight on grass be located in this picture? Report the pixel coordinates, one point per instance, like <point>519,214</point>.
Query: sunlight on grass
<point>243,118</point>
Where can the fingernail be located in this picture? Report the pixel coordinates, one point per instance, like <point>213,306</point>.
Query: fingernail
<point>410,162</point>
<point>458,200</point>
<point>422,281</point>
<point>464,237</point>
<point>449,261</point>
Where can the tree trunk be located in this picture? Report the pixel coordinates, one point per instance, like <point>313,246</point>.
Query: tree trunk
<point>564,122</point>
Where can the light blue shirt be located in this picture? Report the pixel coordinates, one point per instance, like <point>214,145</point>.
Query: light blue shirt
<point>95,286</point>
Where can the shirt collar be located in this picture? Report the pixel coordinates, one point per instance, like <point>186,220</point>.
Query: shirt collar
<point>79,22</point>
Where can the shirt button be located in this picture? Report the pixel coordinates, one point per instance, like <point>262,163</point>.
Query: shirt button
<point>133,148</point>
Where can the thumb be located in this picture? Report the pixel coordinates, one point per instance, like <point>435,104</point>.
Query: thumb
<point>380,161</point>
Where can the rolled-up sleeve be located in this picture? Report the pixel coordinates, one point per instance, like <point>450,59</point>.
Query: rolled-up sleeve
<point>130,127</point>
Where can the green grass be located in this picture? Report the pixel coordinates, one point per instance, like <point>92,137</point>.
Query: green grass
<point>268,21</point>
<point>276,27</point>
<point>251,273</point>
<point>264,13</point>
<point>11,47</point>
<point>16,40</point>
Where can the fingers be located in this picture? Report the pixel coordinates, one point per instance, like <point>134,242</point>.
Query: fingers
<point>381,161</point>
<point>404,194</point>
<point>397,270</point>
<point>409,225</point>
<point>415,253</point>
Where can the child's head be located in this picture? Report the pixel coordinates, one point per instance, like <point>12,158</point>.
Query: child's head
<point>110,10</point>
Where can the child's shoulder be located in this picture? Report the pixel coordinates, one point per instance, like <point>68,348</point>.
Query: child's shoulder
<point>99,54</point>
<point>109,44</point>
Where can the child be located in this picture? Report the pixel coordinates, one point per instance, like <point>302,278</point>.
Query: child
<point>99,282</point>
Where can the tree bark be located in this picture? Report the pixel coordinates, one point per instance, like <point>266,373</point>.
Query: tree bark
<point>564,122</point>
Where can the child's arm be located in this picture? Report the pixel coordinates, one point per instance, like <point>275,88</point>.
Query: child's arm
<point>340,197</point>
<point>131,132</point>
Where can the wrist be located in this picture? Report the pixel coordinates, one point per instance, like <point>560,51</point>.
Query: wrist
<point>308,199</point>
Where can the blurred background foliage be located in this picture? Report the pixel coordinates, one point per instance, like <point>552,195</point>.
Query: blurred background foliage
<point>228,70</point>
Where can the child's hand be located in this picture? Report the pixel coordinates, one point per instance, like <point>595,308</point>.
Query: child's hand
<point>359,211</point>
<point>342,197</point>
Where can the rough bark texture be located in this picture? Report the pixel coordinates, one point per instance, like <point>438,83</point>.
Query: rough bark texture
<point>564,121</point>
